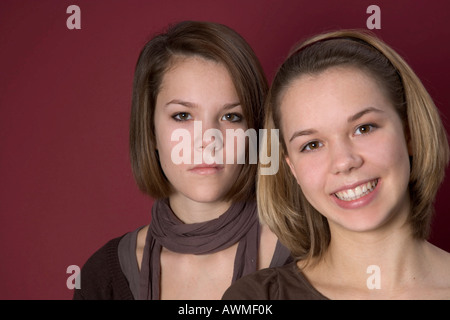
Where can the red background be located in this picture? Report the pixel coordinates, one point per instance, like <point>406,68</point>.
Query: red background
<point>65,179</point>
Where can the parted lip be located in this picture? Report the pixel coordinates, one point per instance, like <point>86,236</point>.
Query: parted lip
<point>353,185</point>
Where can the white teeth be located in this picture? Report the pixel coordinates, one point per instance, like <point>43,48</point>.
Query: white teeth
<point>358,192</point>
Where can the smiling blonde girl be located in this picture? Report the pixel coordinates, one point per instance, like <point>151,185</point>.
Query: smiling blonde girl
<point>363,154</point>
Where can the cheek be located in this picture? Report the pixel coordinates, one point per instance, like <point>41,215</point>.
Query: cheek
<point>171,152</point>
<point>392,153</point>
<point>310,173</point>
<point>237,145</point>
<point>164,145</point>
<point>312,182</point>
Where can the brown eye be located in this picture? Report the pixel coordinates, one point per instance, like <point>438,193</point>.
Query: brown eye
<point>232,117</point>
<point>311,146</point>
<point>364,129</point>
<point>182,116</point>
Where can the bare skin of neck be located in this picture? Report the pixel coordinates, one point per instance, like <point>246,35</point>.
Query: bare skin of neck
<point>381,266</point>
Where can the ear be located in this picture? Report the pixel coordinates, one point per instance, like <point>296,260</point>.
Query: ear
<point>291,166</point>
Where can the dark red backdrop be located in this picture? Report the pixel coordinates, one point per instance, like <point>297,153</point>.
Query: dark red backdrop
<point>65,180</point>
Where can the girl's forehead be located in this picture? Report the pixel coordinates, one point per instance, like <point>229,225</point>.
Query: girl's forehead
<point>333,95</point>
<point>335,83</point>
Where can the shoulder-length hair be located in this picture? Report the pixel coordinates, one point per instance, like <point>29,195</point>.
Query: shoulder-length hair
<point>281,202</point>
<point>210,41</point>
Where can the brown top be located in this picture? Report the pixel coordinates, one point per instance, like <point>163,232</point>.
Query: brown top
<point>281,283</point>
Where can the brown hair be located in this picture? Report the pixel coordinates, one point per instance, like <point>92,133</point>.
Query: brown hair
<point>208,40</point>
<point>282,204</point>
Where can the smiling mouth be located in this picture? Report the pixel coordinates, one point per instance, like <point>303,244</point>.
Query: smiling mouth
<point>358,192</point>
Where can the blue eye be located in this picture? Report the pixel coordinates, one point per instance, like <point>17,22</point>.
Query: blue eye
<point>365,129</point>
<point>182,116</point>
<point>232,117</point>
<point>311,146</point>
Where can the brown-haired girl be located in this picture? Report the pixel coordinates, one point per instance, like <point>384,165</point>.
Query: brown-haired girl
<point>204,233</point>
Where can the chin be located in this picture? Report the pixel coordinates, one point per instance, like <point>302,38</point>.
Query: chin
<point>206,196</point>
<point>365,224</point>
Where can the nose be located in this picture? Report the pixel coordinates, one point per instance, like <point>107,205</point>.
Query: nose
<point>207,132</point>
<point>344,157</point>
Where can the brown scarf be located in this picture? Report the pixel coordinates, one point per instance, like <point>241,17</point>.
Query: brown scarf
<point>238,223</point>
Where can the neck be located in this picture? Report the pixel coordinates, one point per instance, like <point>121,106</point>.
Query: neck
<point>390,255</point>
<point>190,211</point>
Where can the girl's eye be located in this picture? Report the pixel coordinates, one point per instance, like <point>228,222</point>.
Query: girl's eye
<point>232,117</point>
<point>311,146</point>
<point>182,116</point>
<point>364,129</point>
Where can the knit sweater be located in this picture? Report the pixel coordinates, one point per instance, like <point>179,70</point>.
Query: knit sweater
<point>102,277</point>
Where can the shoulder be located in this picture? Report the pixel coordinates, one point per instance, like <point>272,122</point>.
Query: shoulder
<point>102,259</point>
<point>101,274</point>
<point>260,285</point>
<point>439,259</point>
<point>140,244</point>
<point>265,284</point>
<point>279,283</point>
<point>272,252</point>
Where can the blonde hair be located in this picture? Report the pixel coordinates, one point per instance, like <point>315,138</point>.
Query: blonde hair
<point>282,205</point>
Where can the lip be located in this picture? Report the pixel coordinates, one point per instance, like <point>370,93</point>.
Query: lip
<point>206,169</point>
<point>360,202</point>
<point>353,185</point>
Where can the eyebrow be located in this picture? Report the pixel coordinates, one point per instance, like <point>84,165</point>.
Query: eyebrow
<point>302,133</point>
<point>194,105</point>
<point>350,119</point>
<point>361,113</point>
<point>181,102</point>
